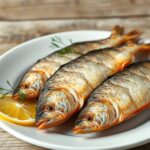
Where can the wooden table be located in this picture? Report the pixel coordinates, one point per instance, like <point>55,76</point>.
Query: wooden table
<point>22,20</point>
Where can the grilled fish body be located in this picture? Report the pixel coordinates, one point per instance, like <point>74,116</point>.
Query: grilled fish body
<point>34,79</point>
<point>117,99</point>
<point>66,91</point>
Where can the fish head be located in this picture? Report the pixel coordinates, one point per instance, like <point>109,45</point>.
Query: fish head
<point>92,118</point>
<point>54,108</point>
<point>31,85</point>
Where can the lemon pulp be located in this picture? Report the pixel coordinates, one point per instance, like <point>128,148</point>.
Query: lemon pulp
<point>18,112</point>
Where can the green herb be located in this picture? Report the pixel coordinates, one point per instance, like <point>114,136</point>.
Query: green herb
<point>8,91</point>
<point>70,40</point>
<point>21,95</point>
<point>65,50</point>
<point>5,91</point>
<point>57,42</point>
<point>10,85</point>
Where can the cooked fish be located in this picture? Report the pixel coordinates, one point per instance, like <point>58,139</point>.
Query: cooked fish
<point>66,91</point>
<point>34,79</point>
<point>117,99</point>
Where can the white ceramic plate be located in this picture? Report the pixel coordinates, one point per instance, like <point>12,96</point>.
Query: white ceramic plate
<point>13,64</point>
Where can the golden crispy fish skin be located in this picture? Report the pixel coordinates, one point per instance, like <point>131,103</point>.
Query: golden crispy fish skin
<point>66,91</point>
<point>34,79</point>
<point>116,100</point>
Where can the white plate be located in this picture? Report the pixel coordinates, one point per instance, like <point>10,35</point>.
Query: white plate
<point>131,133</point>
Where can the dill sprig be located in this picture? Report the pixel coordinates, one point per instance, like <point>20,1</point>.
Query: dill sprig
<point>5,91</point>
<point>10,85</point>
<point>57,42</point>
<point>65,50</point>
<point>21,94</point>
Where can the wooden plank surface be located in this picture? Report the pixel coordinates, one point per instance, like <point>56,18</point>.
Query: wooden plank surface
<point>16,32</point>
<point>8,142</point>
<point>58,9</point>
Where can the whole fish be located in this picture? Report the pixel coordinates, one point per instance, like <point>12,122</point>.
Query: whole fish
<point>66,91</point>
<point>117,99</point>
<point>34,79</point>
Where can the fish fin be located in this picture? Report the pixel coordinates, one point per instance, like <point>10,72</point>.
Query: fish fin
<point>125,64</point>
<point>117,30</point>
<point>136,47</point>
<point>132,35</point>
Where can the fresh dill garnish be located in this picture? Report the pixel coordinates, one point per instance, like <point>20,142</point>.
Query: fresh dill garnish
<point>21,95</point>
<point>70,40</point>
<point>5,91</point>
<point>57,42</point>
<point>10,85</point>
<point>65,50</point>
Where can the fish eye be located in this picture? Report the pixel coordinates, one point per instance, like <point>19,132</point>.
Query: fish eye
<point>26,86</point>
<point>89,118</point>
<point>49,108</point>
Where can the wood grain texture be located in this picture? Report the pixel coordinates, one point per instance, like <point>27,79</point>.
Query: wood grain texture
<point>60,9</point>
<point>16,32</point>
<point>8,142</point>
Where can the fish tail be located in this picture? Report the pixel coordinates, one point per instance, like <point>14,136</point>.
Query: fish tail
<point>134,47</point>
<point>132,35</point>
<point>117,30</point>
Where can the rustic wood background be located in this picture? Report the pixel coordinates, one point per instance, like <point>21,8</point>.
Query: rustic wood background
<point>22,20</point>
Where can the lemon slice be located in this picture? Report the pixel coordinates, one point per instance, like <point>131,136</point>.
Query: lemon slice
<point>18,112</point>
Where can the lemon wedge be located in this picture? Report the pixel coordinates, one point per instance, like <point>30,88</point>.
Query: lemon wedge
<point>17,112</point>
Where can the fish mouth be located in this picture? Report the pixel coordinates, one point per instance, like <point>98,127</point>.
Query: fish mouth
<point>83,129</point>
<point>80,130</point>
<point>46,124</point>
<point>42,124</point>
<point>77,130</point>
